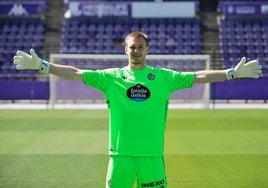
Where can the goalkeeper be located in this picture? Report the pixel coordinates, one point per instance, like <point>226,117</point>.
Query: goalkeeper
<point>137,98</point>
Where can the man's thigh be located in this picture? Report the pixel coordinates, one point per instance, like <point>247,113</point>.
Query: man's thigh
<point>121,172</point>
<point>151,172</point>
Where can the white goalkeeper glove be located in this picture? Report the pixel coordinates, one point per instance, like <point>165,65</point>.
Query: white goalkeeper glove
<point>30,61</point>
<point>251,69</point>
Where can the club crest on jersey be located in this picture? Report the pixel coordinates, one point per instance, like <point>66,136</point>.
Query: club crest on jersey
<point>138,93</point>
<point>151,76</point>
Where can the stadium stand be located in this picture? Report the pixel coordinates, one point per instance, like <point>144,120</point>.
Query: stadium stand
<point>244,37</point>
<point>17,33</point>
<point>167,36</point>
<point>22,27</point>
<point>243,32</point>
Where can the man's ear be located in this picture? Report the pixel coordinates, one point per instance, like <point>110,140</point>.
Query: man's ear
<point>147,50</point>
<point>126,50</point>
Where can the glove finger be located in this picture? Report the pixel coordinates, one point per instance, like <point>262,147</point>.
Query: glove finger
<point>254,66</point>
<point>257,68</point>
<point>256,71</point>
<point>18,58</point>
<point>241,63</point>
<point>255,76</point>
<point>16,62</point>
<point>252,63</point>
<point>34,55</point>
<point>23,54</point>
<point>19,67</point>
<point>243,60</point>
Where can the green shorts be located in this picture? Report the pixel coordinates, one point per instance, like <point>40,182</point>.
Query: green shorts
<point>123,171</point>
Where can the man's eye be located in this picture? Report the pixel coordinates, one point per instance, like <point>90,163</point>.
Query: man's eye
<point>134,48</point>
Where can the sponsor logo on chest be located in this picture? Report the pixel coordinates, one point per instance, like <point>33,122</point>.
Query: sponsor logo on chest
<point>138,93</point>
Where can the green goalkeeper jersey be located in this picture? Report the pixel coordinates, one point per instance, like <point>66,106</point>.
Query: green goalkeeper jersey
<point>137,102</point>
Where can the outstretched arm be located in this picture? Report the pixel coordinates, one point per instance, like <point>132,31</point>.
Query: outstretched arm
<point>67,72</point>
<point>209,76</point>
<point>33,62</point>
<point>251,69</point>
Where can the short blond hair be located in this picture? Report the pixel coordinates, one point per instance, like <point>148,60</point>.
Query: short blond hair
<point>137,34</point>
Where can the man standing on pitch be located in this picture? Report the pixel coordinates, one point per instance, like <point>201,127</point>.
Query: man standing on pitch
<point>137,97</point>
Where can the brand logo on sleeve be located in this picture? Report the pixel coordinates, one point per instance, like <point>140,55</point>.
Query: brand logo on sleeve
<point>138,93</point>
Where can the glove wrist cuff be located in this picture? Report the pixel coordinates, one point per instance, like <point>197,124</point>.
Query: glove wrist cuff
<point>230,74</point>
<point>44,66</point>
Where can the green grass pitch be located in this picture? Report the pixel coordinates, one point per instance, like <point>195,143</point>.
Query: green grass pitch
<point>69,148</point>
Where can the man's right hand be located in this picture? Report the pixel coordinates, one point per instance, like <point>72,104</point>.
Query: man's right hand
<point>31,61</point>
<point>27,61</point>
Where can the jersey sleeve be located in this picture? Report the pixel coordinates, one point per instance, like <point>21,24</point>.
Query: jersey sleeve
<point>178,80</point>
<point>99,79</point>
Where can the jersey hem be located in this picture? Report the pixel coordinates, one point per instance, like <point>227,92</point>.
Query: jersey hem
<point>135,155</point>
